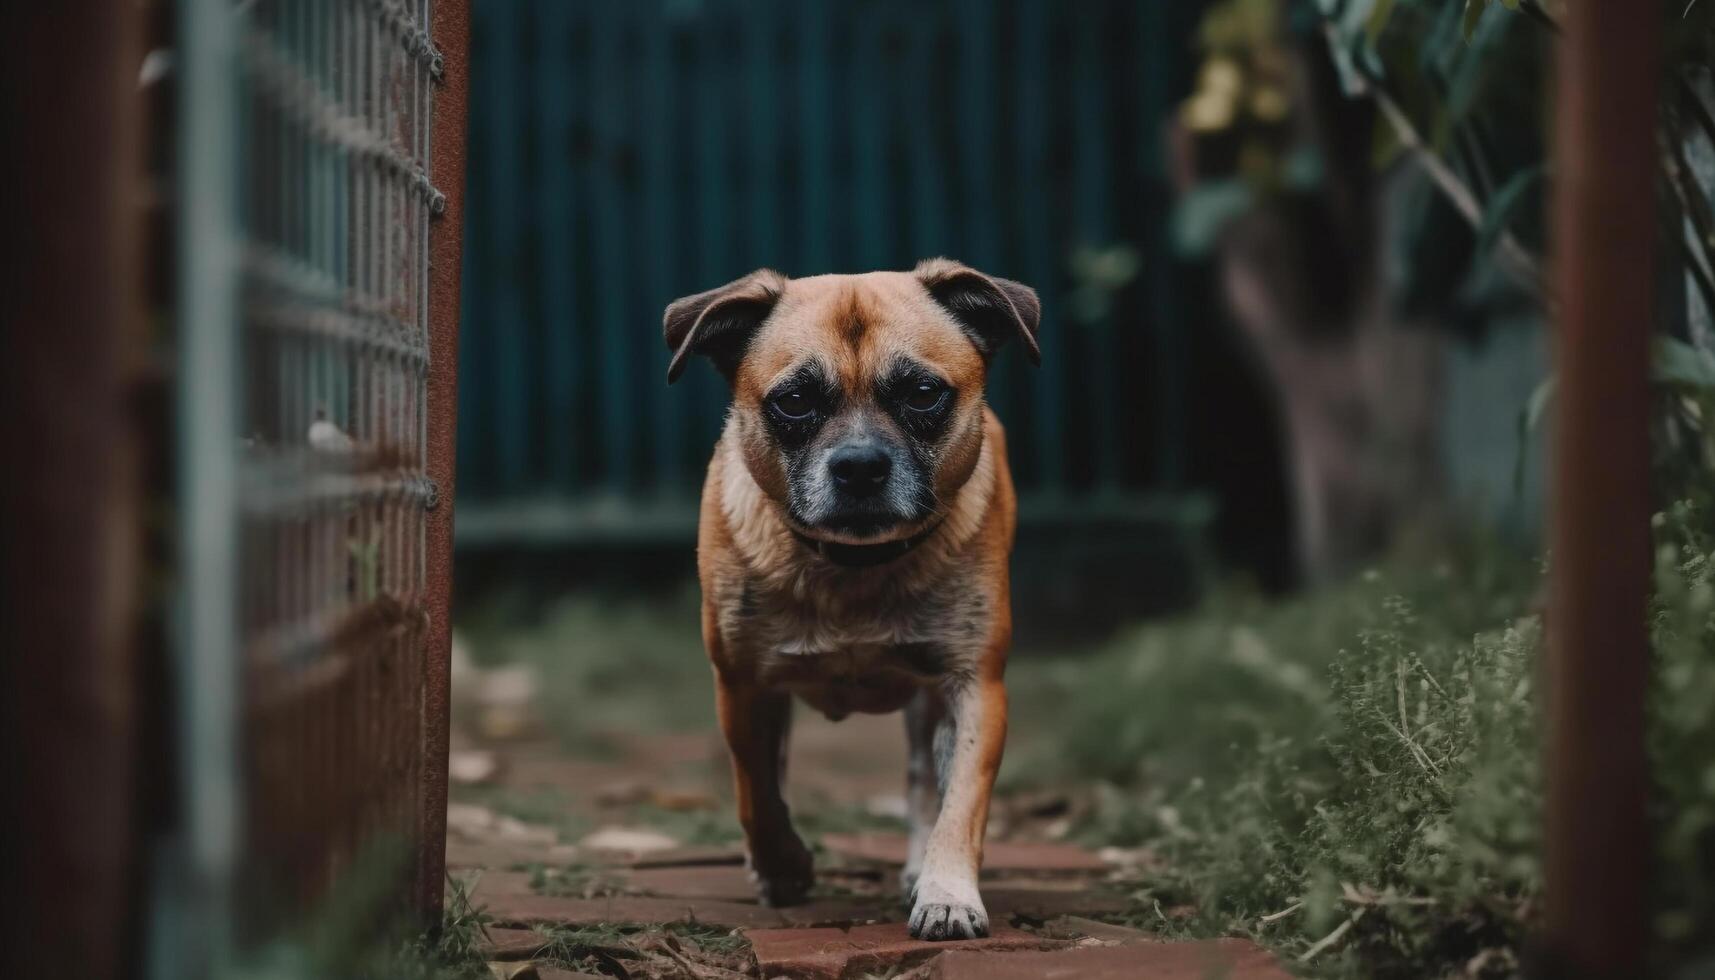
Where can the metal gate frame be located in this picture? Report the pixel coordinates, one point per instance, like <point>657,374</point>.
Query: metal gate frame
<point>446,238</point>
<point>319,262</point>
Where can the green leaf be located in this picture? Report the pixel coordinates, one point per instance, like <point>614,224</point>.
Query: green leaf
<point>1675,362</point>
<point>1473,13</point>
<point>1529,417</point>
<point>1200,216</point>
<point>1377,20</point>
<point>1504,206</point>
<point>1538,404</point>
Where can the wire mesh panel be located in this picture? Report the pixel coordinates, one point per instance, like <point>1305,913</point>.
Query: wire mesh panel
<point>335,205</point>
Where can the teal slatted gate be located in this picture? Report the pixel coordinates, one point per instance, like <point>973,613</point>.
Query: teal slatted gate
<point>626,153</point>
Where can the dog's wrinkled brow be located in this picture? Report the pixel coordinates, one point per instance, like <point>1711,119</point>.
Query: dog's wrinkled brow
<point>811,373</point>
<point>902,369</point>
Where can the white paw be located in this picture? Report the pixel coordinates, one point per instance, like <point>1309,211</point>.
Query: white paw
<point>948,910</point>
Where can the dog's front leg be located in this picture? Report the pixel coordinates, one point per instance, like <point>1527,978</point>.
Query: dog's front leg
<point>924,717</point>
<point>968,745</point>
<point>755,722</point>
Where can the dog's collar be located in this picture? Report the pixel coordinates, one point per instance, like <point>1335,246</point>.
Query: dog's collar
<point>865,555</point>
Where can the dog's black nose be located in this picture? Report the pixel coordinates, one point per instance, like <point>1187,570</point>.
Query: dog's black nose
<point>860,470</point>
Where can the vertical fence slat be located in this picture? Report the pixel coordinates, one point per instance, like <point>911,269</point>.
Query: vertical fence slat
<point>614,383</point>
<point>510,382</point>
<point>870,216</point>
<point>815,121</point>
<point>977,51</point>
<point>717,232</point>
<point>1167,350</point>
<point>762,109</point>
<point>1092,196</point>
<point>1030,80</point>
<point>660,257</point>
<point>915,101</point>
<point>555,92</point>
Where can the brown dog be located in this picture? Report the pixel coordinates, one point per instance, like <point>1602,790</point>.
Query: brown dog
<point>856,523</point>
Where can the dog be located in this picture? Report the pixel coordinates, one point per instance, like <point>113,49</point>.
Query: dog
<point>853,543</point>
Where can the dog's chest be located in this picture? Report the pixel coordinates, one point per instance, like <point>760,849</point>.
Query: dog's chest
<point>841,657</point>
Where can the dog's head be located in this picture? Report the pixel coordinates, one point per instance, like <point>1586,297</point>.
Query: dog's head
<point>857,400</point>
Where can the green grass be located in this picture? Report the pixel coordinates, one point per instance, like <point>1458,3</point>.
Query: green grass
<point>355,935</point>
<point>542,806</point>
<point>606,664</point>
<point>1353,775</point>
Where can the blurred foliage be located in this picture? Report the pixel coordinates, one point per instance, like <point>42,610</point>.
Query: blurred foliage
<point>1242,120</point>
<point>1353,776</point>
<point>1243,90</point>
<point>357,932</point>
<point>1459,86</point>
<point>1462,81</point>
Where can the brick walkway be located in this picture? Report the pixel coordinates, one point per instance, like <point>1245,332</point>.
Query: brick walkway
<point>627,898</point>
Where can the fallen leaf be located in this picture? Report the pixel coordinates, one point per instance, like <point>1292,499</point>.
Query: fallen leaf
<point>635,840</point>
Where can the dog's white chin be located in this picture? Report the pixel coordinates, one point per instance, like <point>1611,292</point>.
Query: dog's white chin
<point>900,529</point>
<point>834,535</point>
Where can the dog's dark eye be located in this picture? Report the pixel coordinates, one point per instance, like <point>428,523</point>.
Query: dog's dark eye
<point>793,404</point>
<point>925,396</point>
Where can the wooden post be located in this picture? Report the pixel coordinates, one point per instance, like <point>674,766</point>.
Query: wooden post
<point>1604,225</point>
<point>71,298</point>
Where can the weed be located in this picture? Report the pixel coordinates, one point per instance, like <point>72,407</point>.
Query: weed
<point>1353,777</point>
<point>574,881</point>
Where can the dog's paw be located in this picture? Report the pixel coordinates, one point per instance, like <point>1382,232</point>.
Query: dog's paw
<point>784,875</point>
<point>940,912</point>
<point>936,922</point>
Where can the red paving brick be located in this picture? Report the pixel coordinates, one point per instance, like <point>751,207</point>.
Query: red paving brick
<point>467,855</point>
<point>1006,900</point>
<point>511,944</point>
<point>690,855</point>
<point>723,895</point>
<point>840,954</point>
<point>530,910</point>
<point>724,881</point>
<point>527,910</point>
<point>491,884</point>
<point>1231,959</point>
<point>997,855</point>
<point>1078,927</point>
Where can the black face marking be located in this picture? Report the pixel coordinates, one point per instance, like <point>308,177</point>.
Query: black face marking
<point>920,400</point>
<point>797,407</point>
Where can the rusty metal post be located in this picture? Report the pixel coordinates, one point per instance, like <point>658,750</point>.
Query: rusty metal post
<point>447,162</point>
<point>71,299</point>
<point>1604,220</point>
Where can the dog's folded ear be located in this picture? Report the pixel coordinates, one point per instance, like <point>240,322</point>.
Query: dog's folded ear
<point>990,309</point>
<point>719,323</point>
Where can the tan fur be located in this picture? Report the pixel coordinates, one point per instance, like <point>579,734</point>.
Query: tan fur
<point>929,629</point>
